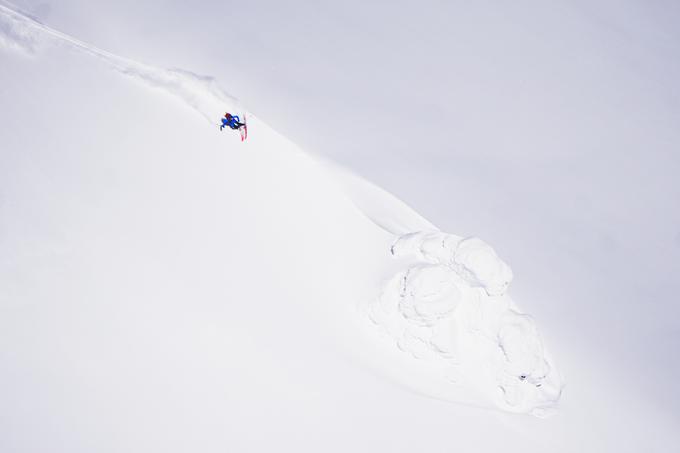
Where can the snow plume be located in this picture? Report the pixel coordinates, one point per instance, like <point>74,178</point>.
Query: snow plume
<point>449,308</point>
<point>199,91</point>
<point>20,31</point>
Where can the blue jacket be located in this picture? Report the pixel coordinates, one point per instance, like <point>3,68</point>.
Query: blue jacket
<point>231,122</point>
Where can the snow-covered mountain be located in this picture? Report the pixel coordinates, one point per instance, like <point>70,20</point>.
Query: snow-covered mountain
<point>167,287</point>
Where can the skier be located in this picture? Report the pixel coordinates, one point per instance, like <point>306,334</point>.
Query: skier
<point>232,121</point>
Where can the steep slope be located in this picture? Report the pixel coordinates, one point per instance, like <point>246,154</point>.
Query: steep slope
<point>461,264</point>
<point>166,286</point>
<point>161,288</point>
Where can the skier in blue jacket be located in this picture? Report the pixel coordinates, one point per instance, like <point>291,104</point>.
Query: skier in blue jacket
<point>232,121</point>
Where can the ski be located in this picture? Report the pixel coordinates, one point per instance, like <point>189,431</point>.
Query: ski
<point>244,132</point>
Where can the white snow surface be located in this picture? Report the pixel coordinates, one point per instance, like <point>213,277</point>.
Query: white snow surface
<point>472,263</point>
<point>164,286</point>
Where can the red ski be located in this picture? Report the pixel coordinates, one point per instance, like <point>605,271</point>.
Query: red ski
<point>244,129</point>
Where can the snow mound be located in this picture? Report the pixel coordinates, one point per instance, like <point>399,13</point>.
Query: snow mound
<point>449,308</point>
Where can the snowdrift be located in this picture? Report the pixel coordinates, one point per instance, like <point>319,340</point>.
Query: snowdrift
<point>164,285</point>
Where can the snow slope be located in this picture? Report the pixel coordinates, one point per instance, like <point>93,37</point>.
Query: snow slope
<point>145,255</point>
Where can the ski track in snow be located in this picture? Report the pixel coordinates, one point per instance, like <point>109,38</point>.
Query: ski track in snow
<point>21,32</point>
<point>447,310</point>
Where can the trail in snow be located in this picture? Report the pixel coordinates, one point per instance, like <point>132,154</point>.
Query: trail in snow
<point>20,31</point>
<point>443,323</point>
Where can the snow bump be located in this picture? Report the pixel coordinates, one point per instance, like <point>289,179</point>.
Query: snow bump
<point>449,311</point>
